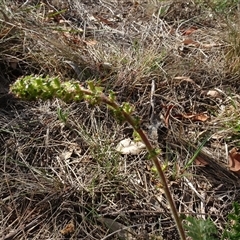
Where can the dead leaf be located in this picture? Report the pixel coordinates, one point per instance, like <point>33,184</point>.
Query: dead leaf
<point>190,42</point>
<point>71,151</point>
<point>202,117</point>
<point>129,147</point>
<point>104,20</point>
<point>213,94</point>
<point>186,79</point>
<point>168,115</point>
<point>199,161</point>
<point>188,31</point>
<point>122,231</point>
<point>90,42</point>
<point>65,22</point>
<point>234,160</point>
<point>68,229</point>
<point>66,155</point>
<point>210,45</point>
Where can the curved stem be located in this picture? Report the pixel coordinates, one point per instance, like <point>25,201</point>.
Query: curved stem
<point>155,159</point>
<point>97,96</point>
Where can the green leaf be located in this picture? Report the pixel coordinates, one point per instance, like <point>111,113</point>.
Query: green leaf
<point>91,85</point>
<point>127,107</point>
<point>200,229</point>
<point>154,153</point>
<point>232,230</point>
<point>62,115</point>
<point>112,96</point>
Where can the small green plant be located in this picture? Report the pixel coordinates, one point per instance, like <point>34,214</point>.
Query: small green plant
<point>223,6</point>
<point>39,87</point>
<point>200,229</point>
<point>198,150</point>
<point>232,230</point>
<point>62,116</point>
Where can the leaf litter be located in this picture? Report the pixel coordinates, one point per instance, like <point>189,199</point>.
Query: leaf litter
<point>48,179</point>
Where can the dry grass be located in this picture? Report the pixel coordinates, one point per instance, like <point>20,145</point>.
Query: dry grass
<point>64,179</point>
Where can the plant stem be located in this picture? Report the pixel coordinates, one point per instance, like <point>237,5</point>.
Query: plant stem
<point>155,159</point>
<point>95,95</point>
